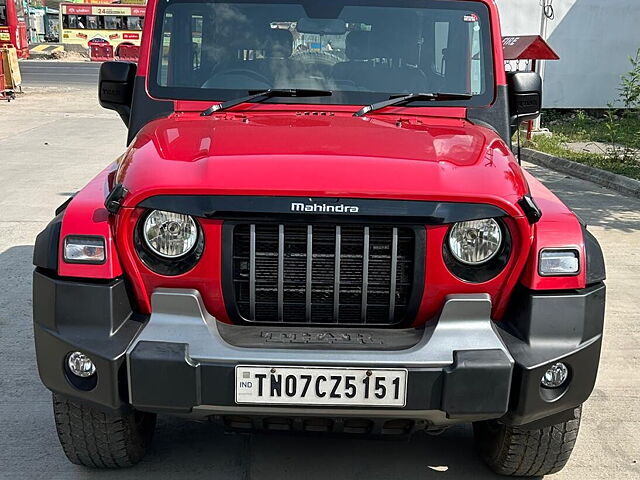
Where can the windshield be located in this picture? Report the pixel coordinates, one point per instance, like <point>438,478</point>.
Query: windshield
<point>362,50</point>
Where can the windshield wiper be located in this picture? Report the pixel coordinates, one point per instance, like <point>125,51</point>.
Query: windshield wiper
<point>411,97</point>
<point>265,94</point>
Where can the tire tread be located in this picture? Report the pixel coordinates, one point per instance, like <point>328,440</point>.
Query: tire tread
<point>97,439</point>
<point>517,451</point>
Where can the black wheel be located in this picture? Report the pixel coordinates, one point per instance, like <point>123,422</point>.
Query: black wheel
<point>528,453</point>
<point>96,439</point>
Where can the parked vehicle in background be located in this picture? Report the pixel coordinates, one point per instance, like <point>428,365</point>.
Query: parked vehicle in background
<point>82,25</point>
<point>13,29</point>
<point>319,225</point>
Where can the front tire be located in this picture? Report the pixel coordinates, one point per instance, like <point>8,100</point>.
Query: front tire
<point>516,451</point>
<point>97,439</point>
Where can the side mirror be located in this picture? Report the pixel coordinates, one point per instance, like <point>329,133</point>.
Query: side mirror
<point>525,97</point>
<point>115,87</point>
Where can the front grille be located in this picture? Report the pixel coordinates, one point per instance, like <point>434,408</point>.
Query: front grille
<point>323,273</point>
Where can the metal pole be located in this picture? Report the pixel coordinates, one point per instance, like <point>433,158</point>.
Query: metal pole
<point>539,67</point>
<point>27,19</point>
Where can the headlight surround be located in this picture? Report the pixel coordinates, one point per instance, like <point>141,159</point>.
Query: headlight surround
<point>165,248</point>
<point>475,242</point>
<point>168,234</point>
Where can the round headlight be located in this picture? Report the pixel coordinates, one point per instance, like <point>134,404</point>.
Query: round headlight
<point>168,234</point>
<point>476,241</point>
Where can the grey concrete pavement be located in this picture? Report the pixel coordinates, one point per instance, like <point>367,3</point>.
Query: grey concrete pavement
<point>59,73</point>
<point>60,138</point>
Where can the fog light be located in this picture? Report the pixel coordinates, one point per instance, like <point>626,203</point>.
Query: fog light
<point>80,365</point>
<point>555,376</point>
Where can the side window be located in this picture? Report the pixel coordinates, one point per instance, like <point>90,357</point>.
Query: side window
<point>71,21</point>
<point>81,21</point>
<point>134,23</point>
<point>112,22</point>
<point>92,22</point>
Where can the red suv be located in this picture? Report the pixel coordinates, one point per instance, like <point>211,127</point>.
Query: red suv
<point>318,225</point>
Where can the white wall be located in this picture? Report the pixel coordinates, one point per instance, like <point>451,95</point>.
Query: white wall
<point>594,39</point>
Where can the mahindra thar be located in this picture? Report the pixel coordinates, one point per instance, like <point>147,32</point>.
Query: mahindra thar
<point>318,225</point>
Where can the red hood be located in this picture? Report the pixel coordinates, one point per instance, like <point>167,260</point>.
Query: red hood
<point>322,154</point>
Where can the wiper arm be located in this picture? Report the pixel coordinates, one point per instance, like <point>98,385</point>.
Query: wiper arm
<point>265,94</point>
<point>411,97</point>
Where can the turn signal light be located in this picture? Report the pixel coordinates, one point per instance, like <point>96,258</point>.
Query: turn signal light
<point>559,262</point>
<point>84,249</point>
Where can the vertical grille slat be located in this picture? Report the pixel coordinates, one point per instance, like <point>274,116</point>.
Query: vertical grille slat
<point>314,274</point>
<point>394,273</point>
<point>365,276</point>
<point>252,272</point>
<point>280,273</point>
<point>336,274</point>
<point>309,274</point>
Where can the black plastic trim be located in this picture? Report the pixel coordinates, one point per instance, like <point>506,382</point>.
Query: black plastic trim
<point>144,109</point>
<point>541,328</point>
<point>561,417</point>
<point>92,316</point>
<point>63,206</point>
<point>115,87</point>
<point>228,288</point>
<point>530,209</point>
<point>206,383</point>
<point>495,116</point>
<point>471,371</point>
<point>394,211</point>
<point>113,202</point>
<point>596,271</point>
<point>47,245</point>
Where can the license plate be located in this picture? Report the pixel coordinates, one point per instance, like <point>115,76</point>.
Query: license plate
<point>321,386</point>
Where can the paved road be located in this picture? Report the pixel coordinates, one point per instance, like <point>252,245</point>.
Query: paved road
<point>55,73</point>
<point>73,138</point>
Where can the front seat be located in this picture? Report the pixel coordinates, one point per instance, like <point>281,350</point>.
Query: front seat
<point>378,63</point>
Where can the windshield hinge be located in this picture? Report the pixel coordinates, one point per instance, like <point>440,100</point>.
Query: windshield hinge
<point>114,199</point>
<point>530,209</point>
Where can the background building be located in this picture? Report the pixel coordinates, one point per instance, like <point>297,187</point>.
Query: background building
<point>594,39</point>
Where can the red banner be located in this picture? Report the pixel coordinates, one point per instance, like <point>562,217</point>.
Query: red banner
<point>78,9</point>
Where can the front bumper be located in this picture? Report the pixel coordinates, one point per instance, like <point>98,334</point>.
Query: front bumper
<point>182,360</point>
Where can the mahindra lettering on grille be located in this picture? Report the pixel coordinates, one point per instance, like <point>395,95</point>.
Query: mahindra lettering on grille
<point>323,208</point>
<point>322,273</point>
